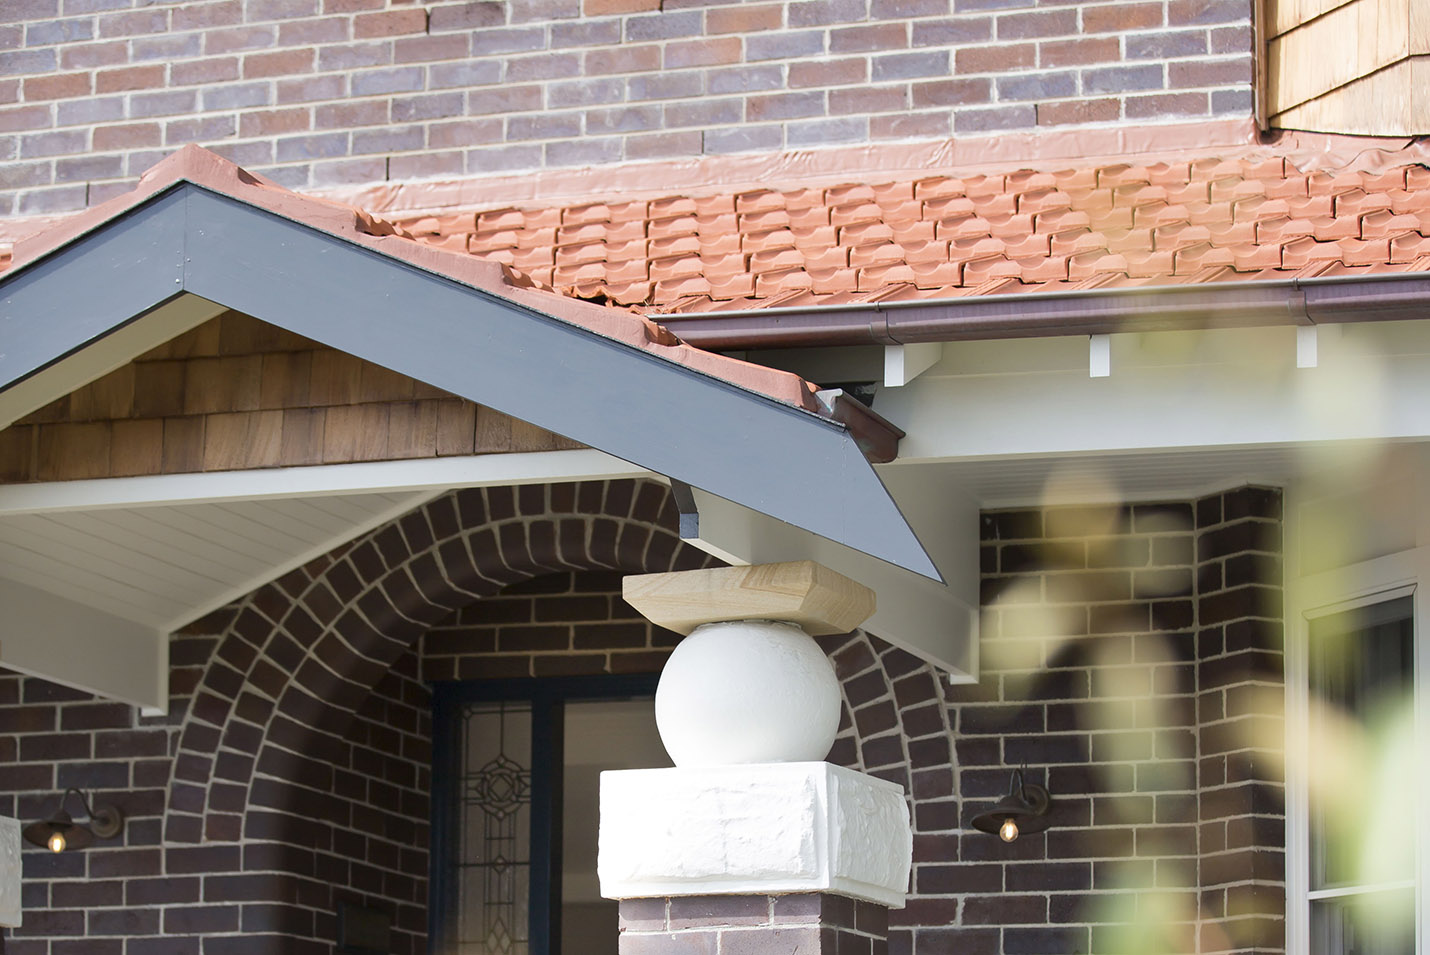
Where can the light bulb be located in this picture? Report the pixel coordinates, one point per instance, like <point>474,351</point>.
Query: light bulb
<point>1009,830</point>
<point>57,842</point>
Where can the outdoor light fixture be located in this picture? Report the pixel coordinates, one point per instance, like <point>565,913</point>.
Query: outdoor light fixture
<point>61,832</point>
<point>1024,809</point>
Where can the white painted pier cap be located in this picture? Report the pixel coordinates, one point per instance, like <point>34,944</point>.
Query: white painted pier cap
<point>753,830</point>
<point>749,684</point>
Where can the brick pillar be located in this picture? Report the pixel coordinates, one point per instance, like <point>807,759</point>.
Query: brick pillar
<point>810,923</point>
<point>1240,686</point>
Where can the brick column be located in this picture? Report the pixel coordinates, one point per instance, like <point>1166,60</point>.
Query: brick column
<point>752,844</point>
<point>1240,702</point>
<point>811,923</point>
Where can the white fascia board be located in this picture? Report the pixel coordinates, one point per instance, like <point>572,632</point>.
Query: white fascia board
<point>74,645</point>
<point>156,327</point>
<point>416,475</point>
<point>1218,389</point>
<point>935,622</point>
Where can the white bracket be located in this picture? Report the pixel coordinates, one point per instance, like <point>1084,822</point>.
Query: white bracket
<point>1307,337</point>
<point>57,639</point>
<point>1099,356</point>
<point>933,621</point>
<point>904,363</point>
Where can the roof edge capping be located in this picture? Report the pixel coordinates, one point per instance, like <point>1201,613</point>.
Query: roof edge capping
<point>875,435</point>
<point>1387,296</point>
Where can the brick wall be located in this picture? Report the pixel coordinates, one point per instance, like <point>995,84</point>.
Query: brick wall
<point>572,624</point>
<point>323,92</point>
<point>1131,661</point>
<point>293,770</point>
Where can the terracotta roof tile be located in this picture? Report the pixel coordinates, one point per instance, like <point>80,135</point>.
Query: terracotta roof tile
<point>1206,220</point>
<point>832,281</point>
<point>936,275</point>
<point>1329,229</point>
<point>1409,247</point>
<point>768,283</point>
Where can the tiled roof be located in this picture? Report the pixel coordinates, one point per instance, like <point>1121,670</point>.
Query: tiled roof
<point>1206,220</point>
<point>196,165</point>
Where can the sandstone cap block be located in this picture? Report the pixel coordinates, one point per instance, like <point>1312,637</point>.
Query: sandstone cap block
<point>801,592</point>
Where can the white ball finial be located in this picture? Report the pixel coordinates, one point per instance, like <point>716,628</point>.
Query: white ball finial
<point>747,691</point>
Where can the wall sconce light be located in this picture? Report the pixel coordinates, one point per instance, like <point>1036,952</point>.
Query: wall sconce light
<point>61,832</point>
<point>1024,809</point>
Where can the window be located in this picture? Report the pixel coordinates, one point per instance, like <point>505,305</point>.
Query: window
<point>1356,816</point>
<point>516,769</point>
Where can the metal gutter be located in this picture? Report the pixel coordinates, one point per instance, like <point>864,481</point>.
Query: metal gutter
<point>1302,301</point>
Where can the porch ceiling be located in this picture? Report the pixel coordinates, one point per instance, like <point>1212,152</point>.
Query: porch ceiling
<point>165,565</point>
<point>94,575</point>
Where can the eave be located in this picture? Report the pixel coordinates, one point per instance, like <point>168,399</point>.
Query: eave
<point>205,237</point>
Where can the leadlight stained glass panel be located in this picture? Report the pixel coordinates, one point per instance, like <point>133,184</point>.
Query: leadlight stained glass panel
<point>494,871</point>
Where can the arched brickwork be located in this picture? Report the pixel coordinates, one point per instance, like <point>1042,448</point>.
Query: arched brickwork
<point>1110,663</point>
<point>300,658</point>
<point>304,652</point>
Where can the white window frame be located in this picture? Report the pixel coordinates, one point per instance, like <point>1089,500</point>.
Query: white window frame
<point>1381,579</point>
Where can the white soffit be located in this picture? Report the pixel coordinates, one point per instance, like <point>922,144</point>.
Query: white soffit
<point>1142,476</point>
<point>165,565</point>
<point>164,550</point>
<point>94,575</point>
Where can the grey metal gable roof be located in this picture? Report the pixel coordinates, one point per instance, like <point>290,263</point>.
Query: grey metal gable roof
<point>290,264</point>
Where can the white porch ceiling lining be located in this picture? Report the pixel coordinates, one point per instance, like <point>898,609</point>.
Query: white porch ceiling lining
<point>199,543</point>
<point>165,565</point>
<point>1100,478</point>
<point>94,575</point>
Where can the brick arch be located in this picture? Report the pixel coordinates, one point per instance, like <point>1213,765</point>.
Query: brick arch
<point>304,652</point>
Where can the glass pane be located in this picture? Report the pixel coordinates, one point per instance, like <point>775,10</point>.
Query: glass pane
<point>1362,747</point>
<point>609,734</point>
<point>1378,923</point>
<point>493,876</point>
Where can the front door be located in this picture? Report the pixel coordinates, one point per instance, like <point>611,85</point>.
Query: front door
<point>515,787</point>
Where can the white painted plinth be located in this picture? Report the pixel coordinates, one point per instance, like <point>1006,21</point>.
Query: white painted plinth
<point>9,872</point>
<point>753,829</point>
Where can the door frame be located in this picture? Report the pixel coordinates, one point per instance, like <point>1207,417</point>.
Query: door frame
<point>547,697</point>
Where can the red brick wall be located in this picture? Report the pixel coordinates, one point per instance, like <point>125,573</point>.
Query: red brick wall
<point>322,92</point>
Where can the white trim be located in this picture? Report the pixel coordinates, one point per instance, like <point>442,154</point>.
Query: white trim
<point>1306,340</point>
<point>75,645</point>
<point>937,622</point>
<point>1099,356</point>
<point>421,474</point>
<point>1309,597</point>
<point>1341,892</point>
<point>904,363</point>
